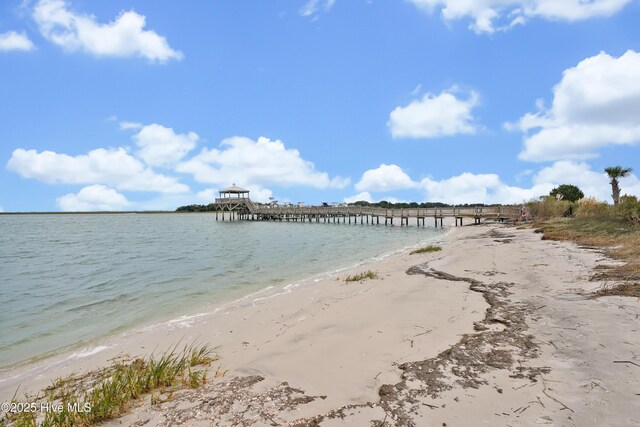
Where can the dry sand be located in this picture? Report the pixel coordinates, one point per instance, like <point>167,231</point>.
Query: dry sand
<point>494,330</point>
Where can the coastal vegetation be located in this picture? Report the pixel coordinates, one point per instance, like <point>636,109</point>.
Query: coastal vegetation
<point>426,249</point>
<point>628,209</point>
<point>567,192</point>
<point>616,172</point>
<point>615,229</point>
<point>361,277</point>
<point>197,208</point>
<point>98,396</point>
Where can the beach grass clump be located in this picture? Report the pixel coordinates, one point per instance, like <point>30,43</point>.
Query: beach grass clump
<point>620,289</point>
<point>547,208</point>
<point>590,207</point>
<point>361,277</point>
<point>106,394</point>
<point>426,249</point>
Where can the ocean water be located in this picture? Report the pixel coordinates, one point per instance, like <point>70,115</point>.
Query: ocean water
<point>68,280</point>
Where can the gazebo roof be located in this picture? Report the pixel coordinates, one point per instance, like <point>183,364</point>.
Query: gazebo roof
<point>234,189</point>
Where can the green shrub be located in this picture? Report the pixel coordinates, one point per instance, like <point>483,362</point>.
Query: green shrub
<point>568,192</point>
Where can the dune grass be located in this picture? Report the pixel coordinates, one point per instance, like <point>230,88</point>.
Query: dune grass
<point>361,277</point>
<point>106,394</point>
<point>620,289</point>
<point>426,249</point>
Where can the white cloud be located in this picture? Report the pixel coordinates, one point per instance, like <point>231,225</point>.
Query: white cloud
<point>434,116</point>
<point>385,178</point>
<point>489,188</point>
<point>364,196</point>
<point>113,167</point>
<point>311,7</point>
<point>595,104</point>
<point>207,195</point>
<point>259,193</point>
<point>125,125</point>
<point>479,188</point>
<point>592,183</point>
<point>161,146</point>
<point>256,192</point>
<point>123,37</point>
<point>93,198</point>
<point>491,15</point>
<point>14,41</point>
<point>260,162</point>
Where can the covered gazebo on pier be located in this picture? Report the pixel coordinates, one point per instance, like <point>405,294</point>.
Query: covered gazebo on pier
<point>234,200</point>
<point>233,193</point>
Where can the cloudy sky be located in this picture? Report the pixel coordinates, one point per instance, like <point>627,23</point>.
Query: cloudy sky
<point>143,104</point>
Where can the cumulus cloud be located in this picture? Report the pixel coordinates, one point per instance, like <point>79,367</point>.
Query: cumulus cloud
<point>434,116</point>
<point>206,195</point>
<point>490,15</point>
<point>479,188</point>
<point>93,198</point>
<point>161,146</point>
<point>260,162</point>
<point>592,183</point>
<point>123,37</point>
<point>490,188</point>
<point>594,105</point>
<point>364,196</point>
<point>257,194</point>
<point>114,167</point>
<point>15,41</point>
<point>385,178</point>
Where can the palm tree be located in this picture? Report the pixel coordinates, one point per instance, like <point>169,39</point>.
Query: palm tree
<point>614,173</point>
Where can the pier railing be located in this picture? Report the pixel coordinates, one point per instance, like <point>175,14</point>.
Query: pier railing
<point>220,201</point>
<point>244,208</point>
<point>490,211</point>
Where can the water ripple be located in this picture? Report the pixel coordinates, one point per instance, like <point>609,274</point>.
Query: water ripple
<point>66,280</point>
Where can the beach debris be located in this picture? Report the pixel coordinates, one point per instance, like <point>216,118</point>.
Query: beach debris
<point>464,364</point>
<point>627,361</point>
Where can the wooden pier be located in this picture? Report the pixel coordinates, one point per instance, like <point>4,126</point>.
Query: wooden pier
<point>236,202</point>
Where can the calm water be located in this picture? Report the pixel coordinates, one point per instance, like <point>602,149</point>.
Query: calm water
<point>67,280</point>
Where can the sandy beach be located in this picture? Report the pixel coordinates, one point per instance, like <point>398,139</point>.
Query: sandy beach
<point>496,329</point>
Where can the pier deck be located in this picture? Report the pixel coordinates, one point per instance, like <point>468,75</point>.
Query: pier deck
<point>243,209</point>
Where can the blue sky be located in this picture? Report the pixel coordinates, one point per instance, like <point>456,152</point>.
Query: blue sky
<point>150,105</point>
